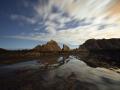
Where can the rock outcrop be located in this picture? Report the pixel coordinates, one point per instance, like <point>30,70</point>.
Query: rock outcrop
<point>65,48</point>
<point>49,46</point>
<point>2,50</point>
<point>101,44</point>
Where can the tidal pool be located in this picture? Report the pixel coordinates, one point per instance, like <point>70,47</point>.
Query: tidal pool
<point>57,73</point>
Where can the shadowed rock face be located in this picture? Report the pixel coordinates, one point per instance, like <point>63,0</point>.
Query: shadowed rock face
<point>65,48</point>
<point>102,52</point>
<point>102,44</point>
<point>2,50</point>
<point>50,46</point>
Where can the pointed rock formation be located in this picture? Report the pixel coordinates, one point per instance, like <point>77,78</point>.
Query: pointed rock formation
<point>65,48</point>
<point>49,46</point>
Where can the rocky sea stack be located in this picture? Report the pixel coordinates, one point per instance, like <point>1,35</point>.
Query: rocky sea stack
<point>49,46</point>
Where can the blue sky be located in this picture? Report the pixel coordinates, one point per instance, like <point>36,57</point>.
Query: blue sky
<point>27,23</point>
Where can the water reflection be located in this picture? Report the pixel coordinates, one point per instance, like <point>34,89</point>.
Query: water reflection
<point>57,73</point>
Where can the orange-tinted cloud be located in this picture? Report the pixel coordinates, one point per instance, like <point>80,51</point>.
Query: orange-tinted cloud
<point>115,8</point>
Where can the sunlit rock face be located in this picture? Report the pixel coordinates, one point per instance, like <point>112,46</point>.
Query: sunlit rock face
<point>49,46</point>
<point>65,48</point>
<point>76,75</point>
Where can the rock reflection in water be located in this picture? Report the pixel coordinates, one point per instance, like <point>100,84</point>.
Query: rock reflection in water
<point>79,76</point>
<point>63,74</point>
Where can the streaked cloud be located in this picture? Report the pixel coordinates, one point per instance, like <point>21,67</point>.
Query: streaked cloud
<point>74,36</point>
<point>23,18</point>
<point>73,21</point>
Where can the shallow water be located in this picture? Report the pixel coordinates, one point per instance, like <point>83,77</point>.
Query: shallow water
<point>57,73</point>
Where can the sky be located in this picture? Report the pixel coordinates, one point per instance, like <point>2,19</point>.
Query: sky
<point>27,23</point>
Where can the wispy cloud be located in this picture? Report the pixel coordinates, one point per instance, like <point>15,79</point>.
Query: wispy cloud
<point>73,21</point>
<point>23,19</point>
<point>74,36</point>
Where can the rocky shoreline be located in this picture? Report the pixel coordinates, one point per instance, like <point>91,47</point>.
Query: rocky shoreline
<point>96,53</point>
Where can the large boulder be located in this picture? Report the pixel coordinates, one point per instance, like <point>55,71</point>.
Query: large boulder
<point>49,46</point>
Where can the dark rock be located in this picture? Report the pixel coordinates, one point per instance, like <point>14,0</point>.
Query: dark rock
<point>2,50</point>
<point>102,52</point>
<point>101,44</point>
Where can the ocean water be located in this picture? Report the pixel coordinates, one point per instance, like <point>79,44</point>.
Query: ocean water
<point>57,73</point>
